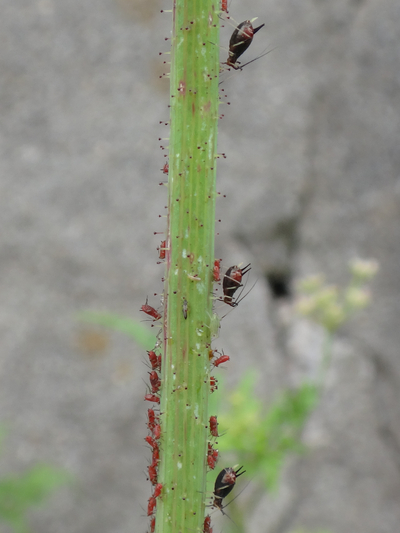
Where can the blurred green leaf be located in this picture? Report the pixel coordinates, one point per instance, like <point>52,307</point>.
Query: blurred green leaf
<point>19,492</point>
<point>134,329</point>
<point>261,437</point>
<point>331,306</point>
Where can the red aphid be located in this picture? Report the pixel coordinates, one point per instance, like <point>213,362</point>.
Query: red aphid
<point>165,168</point>
<point>216,270</point>
<point>212,456</point>
<point>162,250</point>
<point>152,470</point>
<point>210,462</point>
<point>157,431</point>
<point>212,451</point>
<point>152,398</point>
<point>213,384</point>
<point>156,457</point>
<point>152,419</point>
<point>207,525</point>
<point>232,281</point>
<point>151,441</point>
<point>154,381</point>
<point>220,360</point>
<point>154,361</point>
<point>224,5</point>
<point>214,426</point>
<point>157,490</point>
<point>151,506</point>
<point>153,524</point>
<point>150,311</point>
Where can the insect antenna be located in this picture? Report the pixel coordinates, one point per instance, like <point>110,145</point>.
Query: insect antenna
<point>240,297</point>
<point>258,57</point>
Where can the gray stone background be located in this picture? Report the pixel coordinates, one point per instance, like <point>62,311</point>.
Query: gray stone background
<point>312,180</point>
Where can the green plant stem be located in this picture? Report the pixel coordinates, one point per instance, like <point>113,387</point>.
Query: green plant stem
<point>189,259</point>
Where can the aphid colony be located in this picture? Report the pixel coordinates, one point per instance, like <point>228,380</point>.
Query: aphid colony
<point>226,479</point>
<point>240,40</point>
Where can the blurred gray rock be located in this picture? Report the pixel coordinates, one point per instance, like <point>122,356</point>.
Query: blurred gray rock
<point>312,180</point>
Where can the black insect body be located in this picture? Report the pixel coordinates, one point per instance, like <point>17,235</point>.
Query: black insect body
<point>239,42</point>
<point>232,281</point>
<point>224,483</point>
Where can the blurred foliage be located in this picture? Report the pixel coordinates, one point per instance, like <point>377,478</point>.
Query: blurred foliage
<point>134,329</point>
<point>261,437</point>
<point>331,306</point>
<point>20,492</point>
